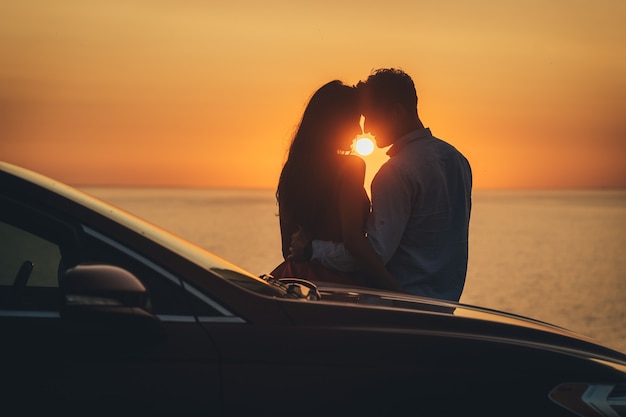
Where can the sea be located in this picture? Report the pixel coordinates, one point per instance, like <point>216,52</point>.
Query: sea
<point>555,256</point>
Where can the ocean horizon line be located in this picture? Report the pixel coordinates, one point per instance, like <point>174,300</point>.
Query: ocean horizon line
<point>252,188</point>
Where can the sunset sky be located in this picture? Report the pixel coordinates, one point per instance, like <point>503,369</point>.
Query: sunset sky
<point>207,93</point>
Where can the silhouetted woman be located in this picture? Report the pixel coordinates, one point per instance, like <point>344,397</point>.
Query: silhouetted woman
<point>321,193</point>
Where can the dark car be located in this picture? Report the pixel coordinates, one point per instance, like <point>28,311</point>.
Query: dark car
<point>103,313</point>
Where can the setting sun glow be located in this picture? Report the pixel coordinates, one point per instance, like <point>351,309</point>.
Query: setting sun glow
<point>166,93</point>
<point>364,146</point>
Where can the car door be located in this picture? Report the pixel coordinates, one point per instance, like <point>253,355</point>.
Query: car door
<point>50,362</point>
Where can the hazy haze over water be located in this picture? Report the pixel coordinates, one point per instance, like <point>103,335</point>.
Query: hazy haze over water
<point>557,256</point>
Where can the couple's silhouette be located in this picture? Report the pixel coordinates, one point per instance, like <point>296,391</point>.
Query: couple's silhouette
<point>413,235</point>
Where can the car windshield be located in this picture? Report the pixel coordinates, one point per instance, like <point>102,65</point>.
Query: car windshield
<point>184,248</point>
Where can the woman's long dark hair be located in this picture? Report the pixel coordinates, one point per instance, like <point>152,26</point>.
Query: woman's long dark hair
<point>311,171</point>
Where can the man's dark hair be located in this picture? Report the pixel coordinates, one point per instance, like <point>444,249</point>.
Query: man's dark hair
<point>387,86</point>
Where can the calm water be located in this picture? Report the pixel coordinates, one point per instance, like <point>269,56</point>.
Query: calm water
<point>554,256</point>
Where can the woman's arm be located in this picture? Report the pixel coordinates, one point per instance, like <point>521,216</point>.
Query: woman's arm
<point>353,219</point>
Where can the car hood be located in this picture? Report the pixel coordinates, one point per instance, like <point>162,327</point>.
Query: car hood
<point>407,313</point>
<point>387,299</point>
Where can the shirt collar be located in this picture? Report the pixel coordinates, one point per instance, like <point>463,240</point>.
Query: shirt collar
<point>408,138</point>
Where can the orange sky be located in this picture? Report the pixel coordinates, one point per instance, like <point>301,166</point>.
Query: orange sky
<point>137,92</point>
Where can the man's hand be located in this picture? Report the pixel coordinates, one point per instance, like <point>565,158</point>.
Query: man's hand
<point>300,248</point>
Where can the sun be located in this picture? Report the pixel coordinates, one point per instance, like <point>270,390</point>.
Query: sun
<point>364,146</point>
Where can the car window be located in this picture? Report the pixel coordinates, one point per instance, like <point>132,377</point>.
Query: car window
<point>35,248</point>
<point>29,270</point>
<point>20,247</point>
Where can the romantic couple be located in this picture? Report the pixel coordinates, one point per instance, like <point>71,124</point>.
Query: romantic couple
<point>413,235</point>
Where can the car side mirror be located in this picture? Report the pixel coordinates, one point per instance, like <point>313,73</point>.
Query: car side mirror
<point>107,300</point>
